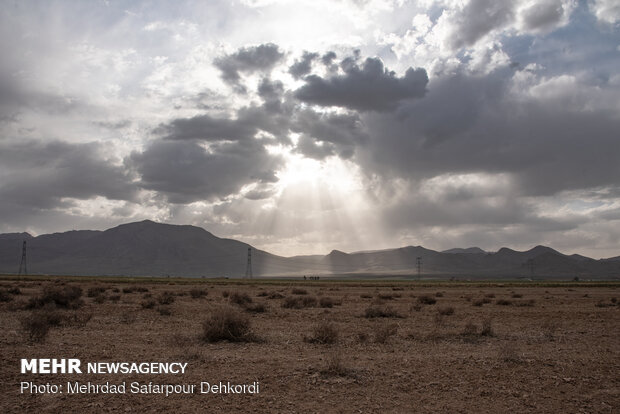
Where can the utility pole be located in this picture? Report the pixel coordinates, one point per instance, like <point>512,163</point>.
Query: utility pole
<point>248,268</point>
<point>418,264</point>
<point>22,264</point>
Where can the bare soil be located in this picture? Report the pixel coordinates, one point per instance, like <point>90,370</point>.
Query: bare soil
<point>544,348</point>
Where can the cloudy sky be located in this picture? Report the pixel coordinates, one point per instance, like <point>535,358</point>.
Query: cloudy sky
<point>305,126</point>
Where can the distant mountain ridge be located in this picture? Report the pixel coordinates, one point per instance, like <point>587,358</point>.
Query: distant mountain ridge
<point>147,248</point>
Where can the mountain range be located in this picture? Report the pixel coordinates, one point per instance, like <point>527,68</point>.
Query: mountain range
<point>147,248</point>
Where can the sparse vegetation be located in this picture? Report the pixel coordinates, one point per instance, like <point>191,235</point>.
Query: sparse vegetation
<point>148,303</point>
<point>164,310</point>
<point>326,302</point>
<point>298,291</point>
<point>67,297</point>
<point>227,324</point>
<point>95,291</point>
<point>384,332</point>
<point>503,302</point>
<point>426,300</point>
<point>165,298</point>
<point>381,312</point>
<point>446,310</point>
<point>299,302</point>
<point>323,333</point>
<point>239,298</point>
<point>197,293</point>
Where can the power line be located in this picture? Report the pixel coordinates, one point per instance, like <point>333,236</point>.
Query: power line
<point>22,264</point>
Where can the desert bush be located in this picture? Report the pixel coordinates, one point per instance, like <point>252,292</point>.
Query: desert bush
<point>129,317</point>
<point>439,294</point>
<point>5,296</point>
<point>240,298</point>
<point>140,289</point>
<point>196,293</point>
<point>487,299</point>
<point>36,325</point>
<point>362,337</point>
<point>415,307</point>
<point>164,310</point>
<point>446,310</point>
<point>225,293</point>
<point>614,300</point>
<point>335,366</point>
<point>365,296</point>
<point>67,297</point>
<point>326,302</point>
<point>116,290</point>
<point>14,290</point>
<point>503,302</point>
<point>227,324</point>
<point>78,318</point>
<point>130,289</point>
<point>148,303</point>
<point>255,308</point>
<point>381,312</point>
<point>275,295</point>
<point>487,328</point>
<point>165,298</point>
<point>309,301</point>
<point>522,303</point>
<point>470,329</point>
<point>323,333</point>
<point>478,302</point>
<point>298,291</point>
<point>99,298</point>
<point>508,352</point>
<point>95,291</point>
<point>385,296</point>
<point>426,300</point>
<point>384,332</point>
<point>299,302</point>
<point>490,295</point>
<point>114,298</point>
<point>517,295</point>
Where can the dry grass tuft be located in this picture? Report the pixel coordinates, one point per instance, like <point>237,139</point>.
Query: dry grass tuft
<point>227,324</point>
<point>323,333</point>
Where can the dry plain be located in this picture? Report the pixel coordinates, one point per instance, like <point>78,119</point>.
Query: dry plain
<point>323,346</point>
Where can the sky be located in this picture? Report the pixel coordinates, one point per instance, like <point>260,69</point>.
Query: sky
<point>305,126</point>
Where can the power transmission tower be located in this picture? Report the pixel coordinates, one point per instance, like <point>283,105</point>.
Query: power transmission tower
<point>418,264</point>
<point>248,268</point>
<point>22,264</point>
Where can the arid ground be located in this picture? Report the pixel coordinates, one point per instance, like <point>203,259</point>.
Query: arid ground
<point>320,346</point>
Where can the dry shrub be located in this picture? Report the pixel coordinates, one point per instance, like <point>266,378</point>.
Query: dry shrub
<point>14,290</point>
<point>67,297</point>
<point>470,329</point>
<point>478,302</point>
<point>326,302</point>
<point>240,298</point>
<point>323,333</point>
<point>255,308</point>
<point>165,298</point>
<point>415,307</point>
<point>517,295</point>
<point>129,317</point>
<point>439,294</point>
<point>446,310</point>
<point>148,303</point>
<point>164,310</point>
<point>335,366</point>
<point>365,296</point>
<point>487,328</point>
<point>298,291</point>
<point>384,332</point>
<point>198,293</point>
<point>426,300</point>
<point>381,312</point>
<point>130,289</point>
<point>274,295</point>
<point>503,302</point>
<point>5,296</point>
<point>362,337</point>
<point>527,303</point>
<point>508,352</point>
<point>225,293</point>
<point>227,324</point>
<point>490,295</point>
<point>309,301</point>
<point>99,298</point>
<point>549,328</point>
<point>385,296</point>
<point>299,302</point>
<point>36,325</point>
<point>95,291</point>
<point>114,298</point>
<point>79,319</point>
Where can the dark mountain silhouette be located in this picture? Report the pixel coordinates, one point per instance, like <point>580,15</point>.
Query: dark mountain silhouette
<point>153,249</point>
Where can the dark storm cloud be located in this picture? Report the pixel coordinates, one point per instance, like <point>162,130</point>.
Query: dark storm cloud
<point>336,133</point>
<point>543,15</point>
<point>247,60</point>
<point>477,19</point>
<point>184,171</point>
<point>207,128</point>
<point>271,92</point>
<point>470,124</point>
<point>302,66</point>
<point>366,88</point>
<point>39,175</point>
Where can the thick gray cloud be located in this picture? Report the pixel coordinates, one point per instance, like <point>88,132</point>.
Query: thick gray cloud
<point>39,175</point>
<point>185,171</point>
<point>303,66</point>
<point>247,60</point>
<point>477,19</point>
<point>366,88</point>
